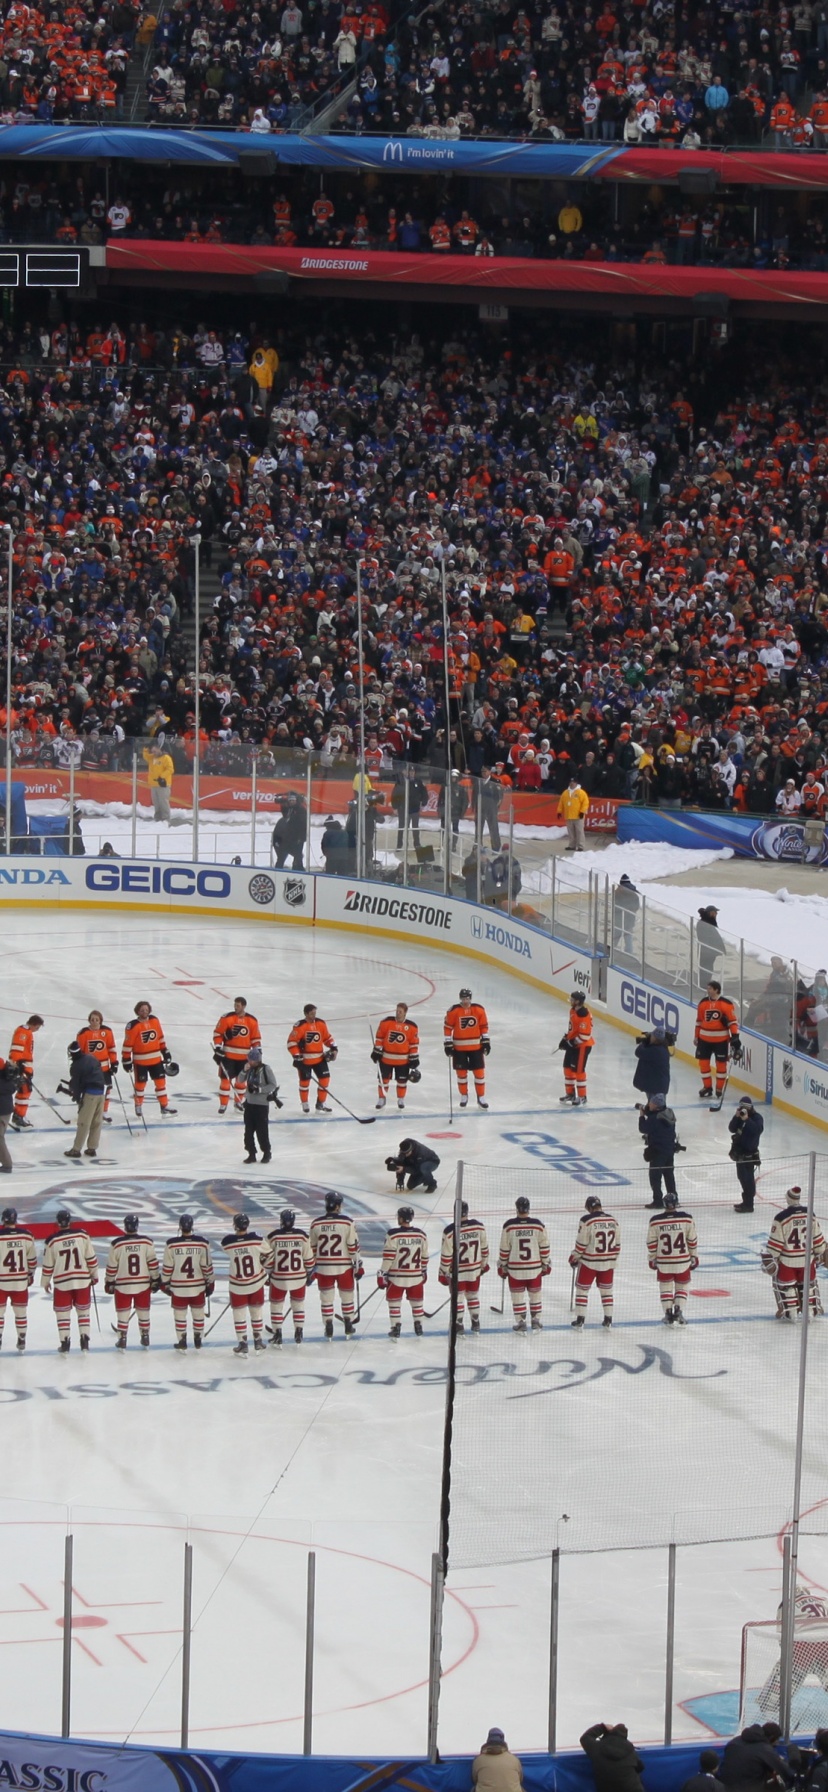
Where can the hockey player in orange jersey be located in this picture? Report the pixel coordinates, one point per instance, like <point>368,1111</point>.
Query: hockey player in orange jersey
<point>312,1047</point>
<point>717,1033</point>
<point>466,1043</point>
<point>21,1052</point>
<point>396,1053</point>
<point>144,1054</point>
<point>233,1036</point>
<point>99,1041</point>
<point>577,1043</point>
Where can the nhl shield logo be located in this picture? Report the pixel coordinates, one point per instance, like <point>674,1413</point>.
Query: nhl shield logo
<point>294,891</point>
<point>787,1073</point>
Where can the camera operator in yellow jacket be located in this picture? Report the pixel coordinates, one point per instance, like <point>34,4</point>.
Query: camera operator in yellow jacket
<point>160,771</point>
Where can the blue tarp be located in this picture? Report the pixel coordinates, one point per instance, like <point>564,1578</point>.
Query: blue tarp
<point>412,155</point>
<point>749,836</point>
<point>19,821</point>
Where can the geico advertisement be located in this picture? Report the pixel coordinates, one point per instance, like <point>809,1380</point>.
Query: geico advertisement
<point>277,895</point>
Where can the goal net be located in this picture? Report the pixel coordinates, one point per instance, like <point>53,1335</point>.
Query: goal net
<point>759,1679</point>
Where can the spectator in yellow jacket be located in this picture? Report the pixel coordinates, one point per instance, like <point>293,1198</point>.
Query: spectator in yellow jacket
<point>572,807</point>
<point>160,770</point>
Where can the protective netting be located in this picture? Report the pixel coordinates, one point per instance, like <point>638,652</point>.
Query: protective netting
<point>761,1676</point>
<point>644,1434</point>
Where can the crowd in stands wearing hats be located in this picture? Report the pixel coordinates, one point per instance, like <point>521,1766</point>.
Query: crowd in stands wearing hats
<point>677,535</point>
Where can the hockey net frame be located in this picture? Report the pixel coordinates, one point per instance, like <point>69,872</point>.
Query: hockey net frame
<point>760,1675</point>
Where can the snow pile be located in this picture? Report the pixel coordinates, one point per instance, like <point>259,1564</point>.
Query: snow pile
<point>769,921</point>
<point>637,859</point>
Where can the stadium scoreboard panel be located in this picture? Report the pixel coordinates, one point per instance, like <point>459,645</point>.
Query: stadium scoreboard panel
<point>65,268</point>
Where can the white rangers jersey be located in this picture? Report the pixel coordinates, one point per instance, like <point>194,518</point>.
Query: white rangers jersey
<point>672,1243</point>
<point>69,1260</point>
<point>789,1236</point>
<point>132,1265</point>
<point>472,1256</point>
<point>334,1242</point>
<point>524,1249</point>
<point>250,1259</point>
<point>18,1259</point>
<point>291,1258</point>
<point>405,1256</point>
<point>187,1269</point>
<point>598,1242</point>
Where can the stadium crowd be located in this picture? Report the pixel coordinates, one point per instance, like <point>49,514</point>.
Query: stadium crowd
<point>636,569</point>
<point>410,216</point>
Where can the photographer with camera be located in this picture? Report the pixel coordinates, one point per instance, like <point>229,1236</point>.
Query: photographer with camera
<point>652,1070</point>
<point>260,1089</point>
<point>415,1161</point>
<point>657,1124</point>
<point>746,1129</point>
<point>10,1075</point>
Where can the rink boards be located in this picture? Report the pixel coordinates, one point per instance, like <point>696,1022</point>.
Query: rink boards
<point>771,1072</point>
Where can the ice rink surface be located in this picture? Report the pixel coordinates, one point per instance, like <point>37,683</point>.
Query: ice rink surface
<point>606,1444</point>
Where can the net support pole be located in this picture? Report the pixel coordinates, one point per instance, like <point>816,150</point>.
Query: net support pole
<point>643,938</point>
<point>186,1644</point>
<point>435,1652</point>
<point>310,1636</point>
<point>554,1607</point>
<point>786,1672</point>
<point>786,1641</point>
<point>71,808</point>
<point>511,852</point>
<point>479,844</point>
<point>134,797</point>
<point>361,777</point>
<point>406,808</point>
<point>253,770</point>
<point>670,1649</point>
<point>66,1686</point>
<point>308,801</point>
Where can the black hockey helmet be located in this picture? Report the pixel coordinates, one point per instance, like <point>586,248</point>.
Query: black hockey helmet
<point>465,995</point>
<point>9,1216</point>
<point>73,1048</point>
<point>522,1204</point>
<point>130,1222</point>
<point>405,1215</point>
<point>576,996</point>
<point>593,1204</point>
<point>287,1219</point>
<point>172,1069</point>
<point>333,1201</point>
<point>671,1200</point>
<point>464,1210</point>
<point>63,1217</point>
<point>186,1223</point>
<point>241,1221</point>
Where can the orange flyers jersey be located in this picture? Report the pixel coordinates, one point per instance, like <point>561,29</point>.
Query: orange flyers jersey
<point>672,1242</point>
<point>788,1238</point>
<point>715,1021</point>
<point>250,1259</point>
<point>310,1040</point>
<point>397,1041</point>
<point>334,1243</point>
<point>234,1034</point>
<point>579,1030</point>
<point>69,1260</point>
<point>466,1028</point>
<point>473,1255</point>
<point>598,1242</point>
<point>132,1264</point>
<point>187,1266</point>
<point>18,1259</point>
<point>292,1258</point>
<point>100,1043</point>
<point>405,1256</point>
<point>21,1050</point>
<point>144,1041</point>
<point>524,1249</point>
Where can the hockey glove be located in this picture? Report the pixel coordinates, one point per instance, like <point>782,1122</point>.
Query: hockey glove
<point>694,1263</point>
<point>652,1264</point>
<point>485,1047</point>
<point>109,1287</point>
<point>166,1056</point>
<point>768,1263</point>
<point>166,1289</point>
<point>218,1059</point>
<point>701,1051</point>
<point>126,1065</point>
<point>573,1262</point>
<point>503,1273</point>
<point>381,1282</point>
<point>155,1284</point>
<point>445,1281</point>
<point>737,1050</point>
<point>547,1271</point>
<point>448,1048</point>
<point>311,1277</point>
<point>376,1057</point>
<point>210,1288</point>
<point>331,1053</point>
<point>359,1272</point>
<point>413,1064</point>
<point>563,1043</point>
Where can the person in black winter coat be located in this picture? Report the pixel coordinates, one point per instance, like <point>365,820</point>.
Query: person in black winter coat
<point>417,1162</point>
<point>290,833</point>
<point>746,1129</point>
<point>749,1760</point>
<point>652,1070</point>
<point>711,946</point>
<point>615,1765</point>
<point>657,1123</point>
<point>9,1082</point>
<point>626,903</point>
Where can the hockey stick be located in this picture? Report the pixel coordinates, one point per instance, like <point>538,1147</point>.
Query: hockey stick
<point>135,1099</point>
<point>211,1328</point>
<point>361,1307</point>
<point>716,1106</point>
<point>126,1116</point>
<point>450,1063</point>
<point>340,1104</point>
<point>50,1103</point>
<point>502,1297</point>
<point>572,1289</point>
<point>95,1305</point>
<point>443,1303</point>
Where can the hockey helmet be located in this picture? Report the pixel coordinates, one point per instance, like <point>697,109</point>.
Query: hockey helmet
<point>405,1215</point>
<point>671,1200</point>
<point>130,1222</point>
<point>593,1204</point>
<point>186,1223</point>
<point>465,995</point>
<point>287,1219</point>
<point>464,1210</point>
<point>241,1221</point>
<point>63,1217</point>
<point>522,1204</point>
<point>172,1069</point>
<point>333,1201</point>
<point>414,1075</point>
<point>9,1216</point>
